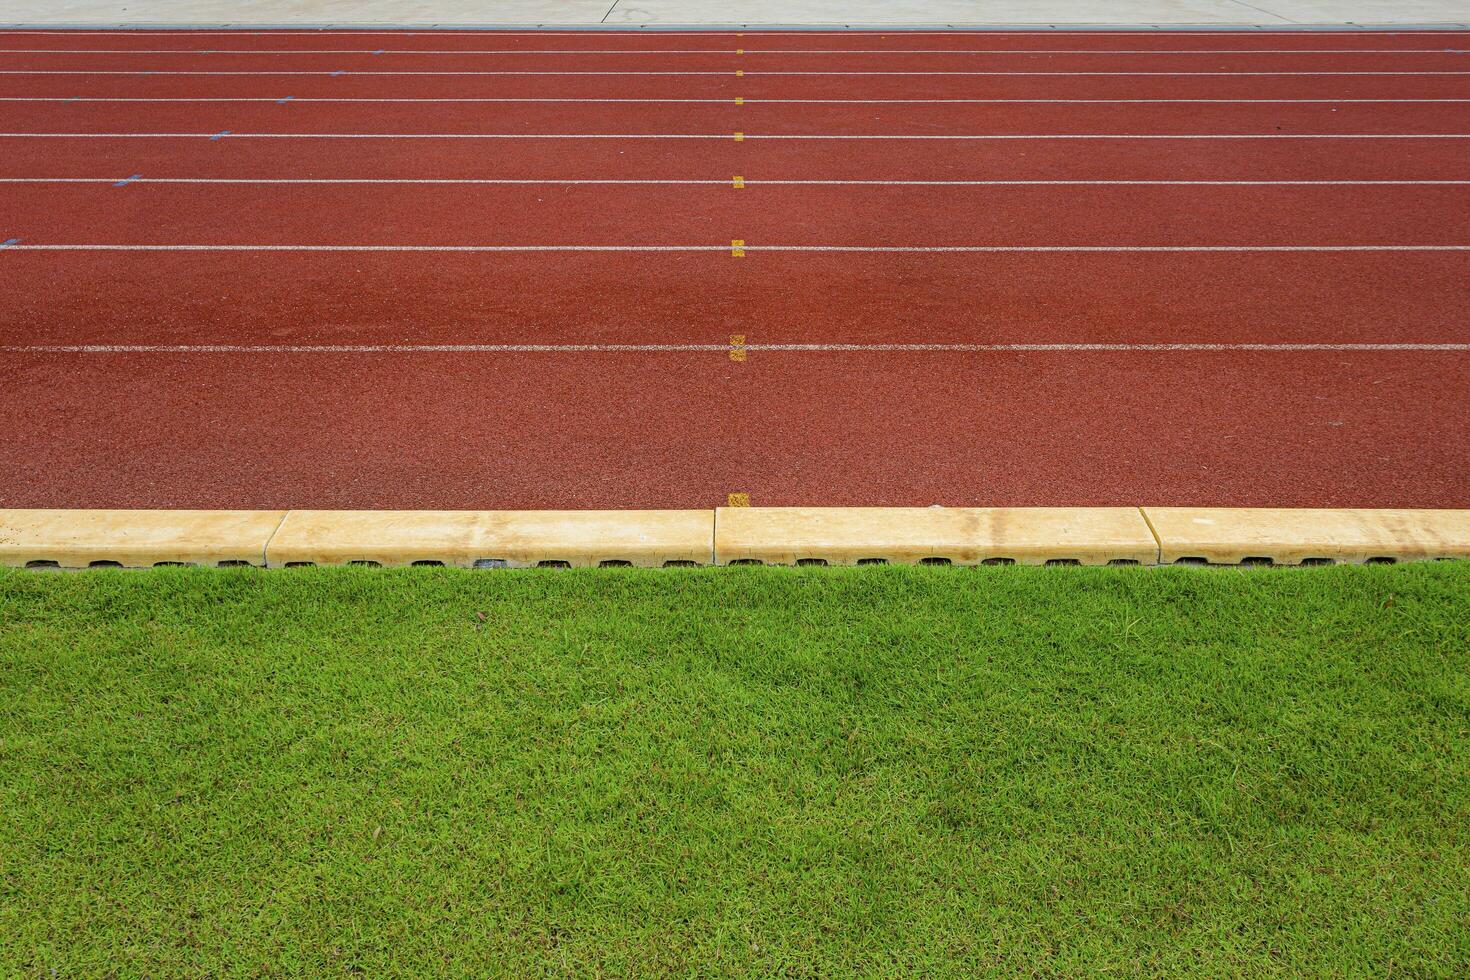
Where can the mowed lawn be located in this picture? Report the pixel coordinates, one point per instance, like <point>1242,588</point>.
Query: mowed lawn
<point>748,772</point>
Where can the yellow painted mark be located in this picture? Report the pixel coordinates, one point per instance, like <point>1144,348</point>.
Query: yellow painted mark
<point>737,248</point>
<point>737,347</point>
<point>739,137</point>
<point>739,100</point>
<point>739,50</point>
<point>738,180</point>
<point>737,500</point>
<point>739,74</point>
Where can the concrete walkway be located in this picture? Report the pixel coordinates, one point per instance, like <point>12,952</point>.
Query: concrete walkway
<point>656,13</point>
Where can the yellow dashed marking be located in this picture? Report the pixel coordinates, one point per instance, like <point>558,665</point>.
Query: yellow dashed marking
<point>739,137</point>
<point>737,347</point>
<point>739,50</point>
<point>739,100</point>
<point>737,248</point>
<point>737,500</point>
<point>738,180</point>
<point>739,74</point>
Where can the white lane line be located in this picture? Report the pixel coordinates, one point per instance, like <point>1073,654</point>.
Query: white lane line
<point>727,101</point>
<point>730,72</point>
<point>20,245</point>
<point>748,181</point>
<point>534,52</point>
<point>696,348</point>
<point>871,31</point>
<point>228,135</point>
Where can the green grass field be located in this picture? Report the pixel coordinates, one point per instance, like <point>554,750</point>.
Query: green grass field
<point>750,772</point>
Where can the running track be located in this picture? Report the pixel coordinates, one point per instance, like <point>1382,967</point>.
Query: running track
<point>495,270</point>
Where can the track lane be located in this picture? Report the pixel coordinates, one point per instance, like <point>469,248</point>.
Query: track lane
<point>680,215</point>
<point>709,59</point>
<point>702,298</point>
<point>683,430</point>
<point>727,85</point>
<point>752,119</point>
<point>754,159</point>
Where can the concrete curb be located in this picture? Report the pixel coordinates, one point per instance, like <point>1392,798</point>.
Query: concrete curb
<point>135,538</point>
<point>494,539</point>
<point>934,535</point>
<point>1294,537</point>
<point>730,536</point>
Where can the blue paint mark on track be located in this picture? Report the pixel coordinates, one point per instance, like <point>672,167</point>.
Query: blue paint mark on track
<point>219,135</point>
<point>127,180</point>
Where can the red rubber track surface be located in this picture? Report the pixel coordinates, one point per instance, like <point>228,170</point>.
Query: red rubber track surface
<point>725,85</point>
<point>87,419</point>
<point>755,64</point>
<point>755,120</point>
